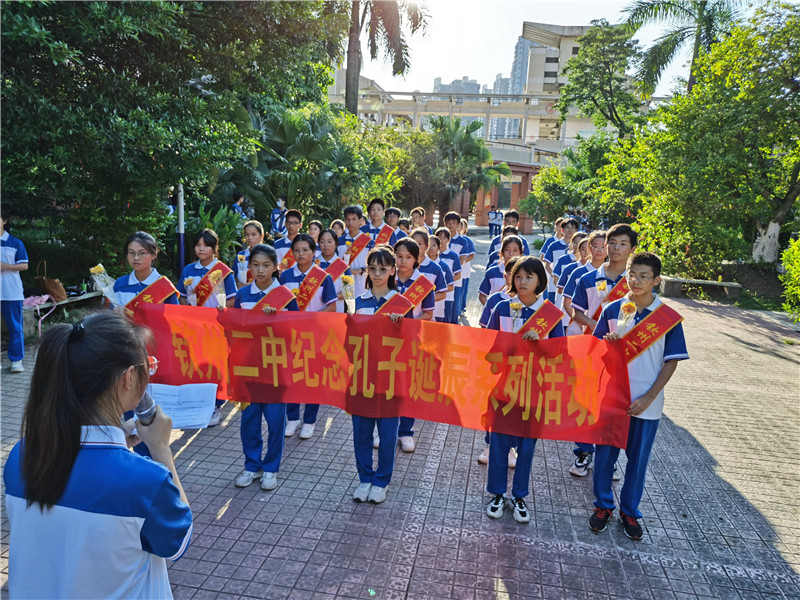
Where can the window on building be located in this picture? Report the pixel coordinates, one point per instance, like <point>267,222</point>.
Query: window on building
<point>552,74</point>
<point>551,59</point>
<point>574,50</point>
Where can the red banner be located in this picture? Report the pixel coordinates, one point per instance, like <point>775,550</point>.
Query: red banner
<point>572,388</point>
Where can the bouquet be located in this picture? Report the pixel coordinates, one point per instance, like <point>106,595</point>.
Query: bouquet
<point>516,312</point>
<point>103,282</point>
<point>627,312</point>
<point>349,293</point>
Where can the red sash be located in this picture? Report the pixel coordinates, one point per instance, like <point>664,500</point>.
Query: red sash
<point>310,285</point>
<point>543,320</point>
<point>205,288</point>
<point>278,299</point>
<point>358,245</point>
<point>649,330</point>
<point>337,268</point>
<point>288,260</point>
<point>155,293</point>
<point>384,235</point>
<point>617,292</point>
<point>402,303</point>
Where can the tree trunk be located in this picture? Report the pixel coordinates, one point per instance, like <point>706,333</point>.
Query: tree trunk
<point>695,54</point>
<point>353,61</point>
<point>766,248</point>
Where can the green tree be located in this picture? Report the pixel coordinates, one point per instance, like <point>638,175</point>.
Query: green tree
<point>697,22</point>
<point>596,81</point>
<point>384,22</point>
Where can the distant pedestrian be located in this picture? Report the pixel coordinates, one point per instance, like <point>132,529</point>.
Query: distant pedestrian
<point>278,218</point>
<point>13,260</point>
<point>495,221</point>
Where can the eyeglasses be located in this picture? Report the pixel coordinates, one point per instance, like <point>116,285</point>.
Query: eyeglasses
<point>639,278</point>
<point>151,364</point>
<point>141,254</point>
<point>379,271</point>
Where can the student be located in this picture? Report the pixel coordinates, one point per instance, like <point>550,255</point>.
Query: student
<point>283,246</point>
<point>277,218</point>
<point>263,263</point>
<point>493,279</point>
<point>328,244</point>
<point>393,220</point>
<point>312,296</point>
<point>528,281</point>
<point>238,201</point>
<point>557,235</point>
<point>207,282</point>
<point>253,234</point>
<point>381,234</point>
<point>354,246</point>
<point>88,517</point>
<point>381,271</point>
<point>460,245</point>
<point>439,311</point>
<point>556,250</point>
<point>494,257</point>
<point>596,259</point>
<point>338,226</point>
<point>582,257</point>
<point>495,220</point>
<point>418,219</point>
<point>466,266</point>
<point>432,271</point>
<point>13,260</point>
<point>405,226</point>
<point>639,311</point>
<point>315,227</point>
<point>407,254</point>
<point>565,259</point>
<point>452,260</point>
<point>511,219</point>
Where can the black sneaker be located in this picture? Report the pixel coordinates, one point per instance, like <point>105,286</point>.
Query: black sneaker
<point>521,513</point>
<point>583,462</point>
<point>631,526</point>
<point>495,508</point>
<point>599,519</point>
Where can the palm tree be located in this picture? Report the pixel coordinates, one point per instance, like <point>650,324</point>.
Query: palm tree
<point>700,22</point>
<point>384,24</point>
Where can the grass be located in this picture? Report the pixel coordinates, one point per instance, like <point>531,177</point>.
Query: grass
<point>755,301</point>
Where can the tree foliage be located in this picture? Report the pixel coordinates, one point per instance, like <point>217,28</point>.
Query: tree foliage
<point>597,84</point>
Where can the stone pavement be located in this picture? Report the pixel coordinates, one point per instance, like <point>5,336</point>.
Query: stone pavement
<point>721,505</point>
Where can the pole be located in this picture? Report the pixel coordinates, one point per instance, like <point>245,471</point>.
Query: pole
<point>181,231</point>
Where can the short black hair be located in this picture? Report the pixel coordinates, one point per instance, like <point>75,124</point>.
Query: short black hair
<point>421,232</point>
<point>267,251</point>
<point>376,201</point>
<point>355,209</point>
<point>293,212</point>
<point>418,210</point>
<point>511,262</point>
<point>621,229</point>
<point>571,221</point>
<point>647,259</point>
<point>209,237</point>
<point>404,222</point>
<point>392,211</point>
<point>145,239</point>
<point>384,256</point>
<point>304,237</point>
<point>452,216</point>
<point>532,266</point>
<point>445,231</point>
<point>410,245</point>
<point>237,194</point>
<point>511,214</point>
<point>509,230</point>
<point>253,223</point>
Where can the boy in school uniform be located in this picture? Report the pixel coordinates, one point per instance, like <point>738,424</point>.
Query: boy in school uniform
<point>652,335</point>
<point>375,225</point>
<point>13,260</point>
<point>418,219</point>
<point>495,221</point>
<point>277,219</point>
<point>283,246</point>
<point>353,248</point>
<point>460,245</point>
<point>557,235</point>
<point>565,260</point>
<point>557,249</point>
<point>511,219</point>
<point>392,216</point>
<point>452,260</point>
<point>595,290</point>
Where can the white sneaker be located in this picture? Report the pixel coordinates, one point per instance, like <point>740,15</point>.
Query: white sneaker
<point>495,508</point>
<point>376,439</point>
<point>246,478</point>
<point>269,481</point>
<point>306,431</point>
<point>291,428</point>
<point>521,512</point>
<point>377,494</point>
<point>216,417</point>
<point>512,458</point>
<point>617,473</point>
<point>407,443</point>
<point>16,367</point>
<point>582,464</point>
<point>362,492</point>
<point>483,457</point>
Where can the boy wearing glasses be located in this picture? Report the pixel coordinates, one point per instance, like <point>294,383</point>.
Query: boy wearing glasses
<point>294,221</point>
<point>652,336</point>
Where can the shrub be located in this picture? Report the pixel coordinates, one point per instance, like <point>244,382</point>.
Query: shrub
<point>791,279</point>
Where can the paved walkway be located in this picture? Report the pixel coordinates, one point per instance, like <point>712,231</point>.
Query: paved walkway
<point>722,502</point>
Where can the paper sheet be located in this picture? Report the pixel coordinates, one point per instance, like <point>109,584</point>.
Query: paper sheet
<point>190,406</point>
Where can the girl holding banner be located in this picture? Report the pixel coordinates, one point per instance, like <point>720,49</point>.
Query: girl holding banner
<point>143,284</point>
<point>253,234</point>
<point>267,295</point>
<point>420,291</point>
<point>381,270</point>
<point>208,282</point>
<point>315,292</point>
<point>535,318</point>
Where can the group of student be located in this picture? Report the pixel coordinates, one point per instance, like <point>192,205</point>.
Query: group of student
<point>578,286</point>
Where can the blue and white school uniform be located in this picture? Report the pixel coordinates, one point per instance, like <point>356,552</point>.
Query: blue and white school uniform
<point>493,281</point>
<point>440,311</point>
<point>337,285</point>
<point>452,260</point>
<point>325,295</point>
<point>642,373</point>
<point>546,245</point>
<point>558,268</point>
<point>109,535</point>
<point>127,287</point>
<point>554,251</point>
<point>491,302</point>
<point>12,252</point>
<point>497,242</point>
<point>437,277</point>
<point>274,413</point>
<point>360,262</point>
<point>374,231</point>
<point>241,266</point>
<point>588,297</point>
<point>363,427</point>
<point>282,247</point>
<point>428,304</point>
<point>466,270</point>
<point>191,276</point>
<point>459,245</point>
<point>500,444</point>
<point>561,284</point>
<point>569,292</point>
<point>277,221</point>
